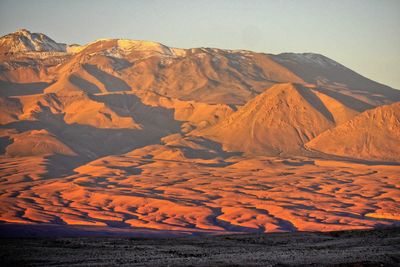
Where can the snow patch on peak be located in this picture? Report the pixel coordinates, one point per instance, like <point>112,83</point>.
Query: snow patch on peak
<point>308,58</point>
<point>25,41</point>
<point>127,45</point>
<point>122,47</point>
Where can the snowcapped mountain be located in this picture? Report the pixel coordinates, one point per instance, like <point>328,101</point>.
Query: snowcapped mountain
<point>208,75</point>
<point>26,41</point>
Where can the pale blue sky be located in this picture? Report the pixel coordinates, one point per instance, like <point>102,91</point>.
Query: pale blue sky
<point>364,35</point>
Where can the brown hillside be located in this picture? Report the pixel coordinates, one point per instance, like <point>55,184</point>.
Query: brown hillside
<point>372,135</point>
<point>278,121</point>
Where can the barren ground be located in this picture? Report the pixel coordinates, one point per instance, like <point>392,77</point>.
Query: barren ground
<point>348,248</point>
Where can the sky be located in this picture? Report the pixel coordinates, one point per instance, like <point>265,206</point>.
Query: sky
<point>363,35</point>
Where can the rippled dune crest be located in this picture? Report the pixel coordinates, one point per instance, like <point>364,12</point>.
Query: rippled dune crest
<point>254,195</point>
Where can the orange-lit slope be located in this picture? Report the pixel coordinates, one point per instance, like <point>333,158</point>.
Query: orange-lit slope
<point>36,143</point>
<point>372,135</point>
<point>279,120</point>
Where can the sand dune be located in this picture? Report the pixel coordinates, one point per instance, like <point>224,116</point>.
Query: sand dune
<point>36,143</point>
<point>166,193</point>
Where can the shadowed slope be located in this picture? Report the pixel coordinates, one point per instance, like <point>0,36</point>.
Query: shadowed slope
<point>92,126</point>
<point>10,109</point>
<point>18,89</point>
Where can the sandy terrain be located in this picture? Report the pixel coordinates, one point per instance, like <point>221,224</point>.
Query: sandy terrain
<point>263,194</point>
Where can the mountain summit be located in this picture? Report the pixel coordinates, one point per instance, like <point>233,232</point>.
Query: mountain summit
<point>279,121</point>
<point>26,41</point>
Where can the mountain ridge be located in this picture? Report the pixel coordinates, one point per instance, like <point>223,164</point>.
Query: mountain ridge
<point>278,121</point>
<point>203,74</point>
<point>255,103</point>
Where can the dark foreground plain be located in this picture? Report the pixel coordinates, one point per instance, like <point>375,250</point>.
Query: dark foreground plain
<point>379,247</point>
